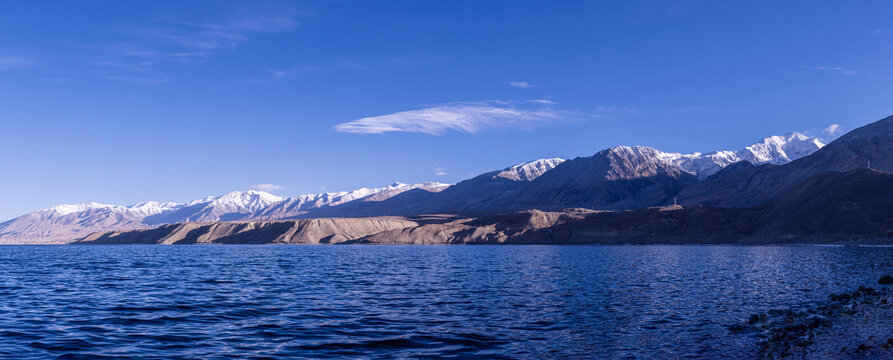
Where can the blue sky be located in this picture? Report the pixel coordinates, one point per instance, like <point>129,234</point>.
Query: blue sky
<point>121,102</point>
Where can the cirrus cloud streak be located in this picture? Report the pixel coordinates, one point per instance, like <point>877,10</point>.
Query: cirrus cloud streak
<point>461,117</point>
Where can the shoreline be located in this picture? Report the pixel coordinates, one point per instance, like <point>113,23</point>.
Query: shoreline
<point>847,325</point>
<point>828,245</point>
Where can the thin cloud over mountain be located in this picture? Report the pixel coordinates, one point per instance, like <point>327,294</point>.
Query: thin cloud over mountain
<point>832,129</point>
<point>267,187</point>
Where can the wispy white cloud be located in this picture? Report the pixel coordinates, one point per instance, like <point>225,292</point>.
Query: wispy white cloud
<point>267,187</point>
<point>13,62</point>
<point>440,172</point>
<point>520,84</point>
<point>199,40</point>
<point>147,50</point>
<point>832,129</point>
<point>463,117</point>
<point>835,69</point>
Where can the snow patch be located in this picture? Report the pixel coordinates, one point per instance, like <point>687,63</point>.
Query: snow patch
<point>528,171</point>
<point>772,150</point>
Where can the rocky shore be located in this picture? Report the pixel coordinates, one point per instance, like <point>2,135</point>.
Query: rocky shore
<point>857,325</point>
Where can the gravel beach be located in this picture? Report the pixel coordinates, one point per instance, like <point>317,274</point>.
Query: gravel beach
<point>857,325</point>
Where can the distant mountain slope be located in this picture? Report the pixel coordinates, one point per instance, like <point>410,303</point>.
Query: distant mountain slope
<point>304,204</point>
<point>829,207</point>
<point>771,150</point>
<point>66,222</point>
<point>832,207</point>
<point>834,203</point>
<point>235,205</point>
<point>55,226</point>
<point>529,171</point>
<point>622,177</point>
<point>477,193</point>
<point>751,186</point>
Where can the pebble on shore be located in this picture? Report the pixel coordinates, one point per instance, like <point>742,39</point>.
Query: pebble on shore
<point>856,325</point>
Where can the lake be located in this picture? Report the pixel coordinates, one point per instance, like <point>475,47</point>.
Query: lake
<point>526,302</point>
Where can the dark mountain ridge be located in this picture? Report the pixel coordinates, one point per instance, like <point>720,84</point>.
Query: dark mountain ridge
<point>741,186</point>
<point>832,207</point>
<point>617,178</point>
<point>622,195</point>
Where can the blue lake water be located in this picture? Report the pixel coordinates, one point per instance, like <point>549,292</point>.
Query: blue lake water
<point>533,302</point>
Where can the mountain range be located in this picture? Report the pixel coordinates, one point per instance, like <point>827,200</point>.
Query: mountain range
<point>62,223</point>
<point>616,179</point>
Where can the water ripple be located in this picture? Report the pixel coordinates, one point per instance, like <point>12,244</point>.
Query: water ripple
<point>527,302</point>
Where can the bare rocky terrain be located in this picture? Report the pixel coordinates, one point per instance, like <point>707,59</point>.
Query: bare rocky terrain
<point>310,231</point>
<point>621,195</point>
<point>851,207</point>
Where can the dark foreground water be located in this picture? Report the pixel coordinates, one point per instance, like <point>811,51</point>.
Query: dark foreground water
<point>533,302</point>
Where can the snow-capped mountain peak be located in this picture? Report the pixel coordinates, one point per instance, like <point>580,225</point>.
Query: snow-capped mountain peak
<point>66,209</point>
<point>137,210</point>
<point>528,171</point>
<point>782,149</point>
<point>245,201</point>
<point>150,208</point>
<point>773,150</point>
<point>67,222</point>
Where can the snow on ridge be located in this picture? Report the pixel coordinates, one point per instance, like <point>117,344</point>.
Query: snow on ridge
<point>67,219</point>
<point>65,209</point>
<point>530,170</point>
<point>778,149</point>
<point>238,199</point>
<point>380,193</point>
<point>782,149</point>
<point>250,200</point>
